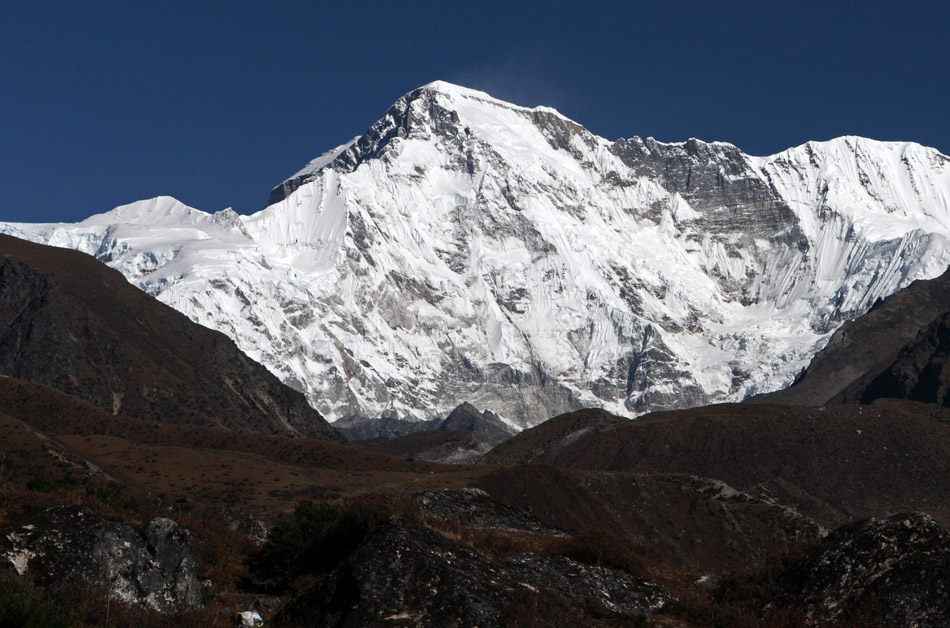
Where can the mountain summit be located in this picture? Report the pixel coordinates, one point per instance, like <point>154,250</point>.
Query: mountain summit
<point>468,249</point>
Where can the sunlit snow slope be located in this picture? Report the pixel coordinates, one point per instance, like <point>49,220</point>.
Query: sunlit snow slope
<point>466,249</point>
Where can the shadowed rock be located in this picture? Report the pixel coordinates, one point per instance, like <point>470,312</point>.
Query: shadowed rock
<point>405,574</point>
<point>893,569</point>
<point>485,426</point>
<point>474,508</point>
<point>463,437</point>
<point>438,445</point>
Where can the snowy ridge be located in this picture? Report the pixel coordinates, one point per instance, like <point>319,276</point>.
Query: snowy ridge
<point>467,249</point>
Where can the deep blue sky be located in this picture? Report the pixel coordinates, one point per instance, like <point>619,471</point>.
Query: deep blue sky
<point>104,103</point>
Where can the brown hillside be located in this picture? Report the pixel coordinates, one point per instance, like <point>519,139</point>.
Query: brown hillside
<point>203,467</point>
<point>833,464</point>
<point>68,321</point>
<point>696,522</point>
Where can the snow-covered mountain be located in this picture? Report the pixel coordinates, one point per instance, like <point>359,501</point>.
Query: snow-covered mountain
<point>467,249</point>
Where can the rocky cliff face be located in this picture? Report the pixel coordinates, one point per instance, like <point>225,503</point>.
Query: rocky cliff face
<point>153,566</point>
<point>467,248</point>
<point>474,508</point>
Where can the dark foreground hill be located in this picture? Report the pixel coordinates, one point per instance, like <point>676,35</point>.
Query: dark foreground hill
<point>70,322</point>
<point>380,544</point>
<point>832,464</point>
<point>46,433</point>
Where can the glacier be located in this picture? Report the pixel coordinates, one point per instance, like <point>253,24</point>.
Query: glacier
<point>469,249</point>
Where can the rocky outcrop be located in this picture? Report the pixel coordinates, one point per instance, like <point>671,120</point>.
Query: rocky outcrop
<point>892,571</point>
<point>616,590</point>
<point>405,574</point>
<point>70,322</point>
<point>153,566</point>
<point>485,426</point>
<point>461,438</point>
<point>474,508</point>
<point>247,619</point>
<point>449,446</point>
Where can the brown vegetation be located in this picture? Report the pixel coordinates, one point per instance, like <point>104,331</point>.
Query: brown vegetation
<point>832,464</point>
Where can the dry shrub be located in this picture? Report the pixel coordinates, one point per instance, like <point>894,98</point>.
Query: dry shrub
<point>699,610</point>
<point>702,610</point>
<point>493,543</point>
<point>867,617</point>
<point>94,609</point>
<point>786,618</point>
<point>597,546</point>
<point>23,606</point>
<point>449,528</point>
<point>219,551</point>
<point>107,500</point>
<point>603,548</point>
<point>757,588</point>
<point>320,537</point>
<point>545,608</point>
<point>16,503</point>
<point>539,608</point>
<point>368,510</point>
<point>357,519</point>
<point>738,600</point>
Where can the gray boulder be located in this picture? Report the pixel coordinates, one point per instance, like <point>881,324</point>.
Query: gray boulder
<point>152,566</point>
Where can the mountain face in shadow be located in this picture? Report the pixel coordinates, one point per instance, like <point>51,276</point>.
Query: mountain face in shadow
<point>72,323</point>
<point>921,371</point>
